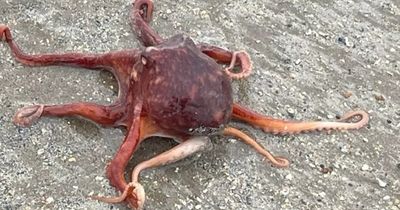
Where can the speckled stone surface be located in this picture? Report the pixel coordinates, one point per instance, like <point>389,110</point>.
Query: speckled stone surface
<point>308,57</point>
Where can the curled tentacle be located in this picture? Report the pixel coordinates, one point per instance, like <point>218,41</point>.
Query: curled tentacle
<point>141,16</point>
<point>145,9</point>
<point>363,121</point>
<point>117,199</point>
<point>3,32</point>
<point>245,65</point>
<point>28,115</point>
<point>133,191</point>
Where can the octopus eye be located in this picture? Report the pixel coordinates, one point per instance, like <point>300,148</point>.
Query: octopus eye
<point>144,60</point>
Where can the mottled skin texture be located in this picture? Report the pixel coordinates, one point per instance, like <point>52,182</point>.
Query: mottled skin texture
<point>172,88</point>
<point>176,102</point>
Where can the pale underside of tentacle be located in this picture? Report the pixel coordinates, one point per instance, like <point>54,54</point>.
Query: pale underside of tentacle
<point>275,160</point>
<point>289,127</point>
<point>278,126</point>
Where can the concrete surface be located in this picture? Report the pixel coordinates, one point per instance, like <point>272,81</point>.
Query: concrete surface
<point>307,55</point>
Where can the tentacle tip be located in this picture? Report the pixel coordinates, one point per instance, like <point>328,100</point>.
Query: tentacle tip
<point>133,194</point>
<point>238,75</point>
<point>233,75</point>
<point>242,58</point>
<point>28,115</point>
<point>116,199</point>
<point>140,195</point>
<point>281,162</point>
<point>3,29</point>
<point>95,197</point>
<point>145,9</point>
<point>362,121</point>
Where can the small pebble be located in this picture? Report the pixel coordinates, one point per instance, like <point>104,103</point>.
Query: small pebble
<point>386,198</point>
<point>204,15</point>
<point>309,32</point>
<point>289,177</point>
<point>323,34</point>
<point>345,149</point>
<point>365,167</point>
<point>326,170</point>
<point>322,194</point>
<point>49,200</point>
<point>379,97</point>
<point>291,112</point>
<point>40,151</point>
<point>347,94</point>
<point>284,192</point>
<point>346,41</point>
<point>99,178</point>
<point>381,183</point>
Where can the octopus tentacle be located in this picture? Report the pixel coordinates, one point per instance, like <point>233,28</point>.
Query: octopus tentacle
<point>141,16</point>
<point>278,126</point>
<point>275,160</point>
<point>292,127</point>
<point>179,152</point>
<point>117,199</point>
<point>28,115</point>
<point>245,64</point>
<point>120,63</point>
<point>90,61</point>
<point>103,115</point>
<point>116,168</point>
<point>230,58</point>
<point>135,190</point>
<point>145,8</point>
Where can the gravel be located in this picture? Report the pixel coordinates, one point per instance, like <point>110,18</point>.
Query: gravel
<point>312,60</point>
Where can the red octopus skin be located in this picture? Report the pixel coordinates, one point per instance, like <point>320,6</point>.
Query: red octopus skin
<point>186,101</point>
<point>172,88</point>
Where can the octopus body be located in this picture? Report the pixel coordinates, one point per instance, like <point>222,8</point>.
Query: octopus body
<point>172,88</point>
<point>180,104</point>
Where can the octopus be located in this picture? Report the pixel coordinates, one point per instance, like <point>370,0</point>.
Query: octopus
<point>171,88</point>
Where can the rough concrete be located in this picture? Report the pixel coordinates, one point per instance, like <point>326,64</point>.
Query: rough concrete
<point>307,56</point>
